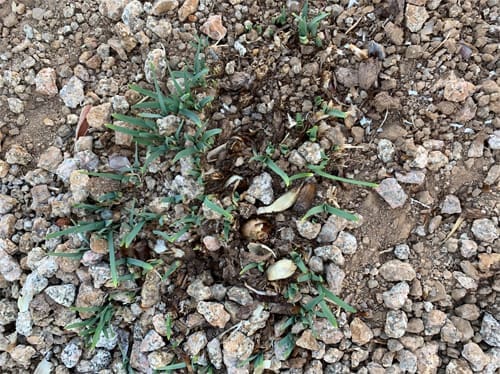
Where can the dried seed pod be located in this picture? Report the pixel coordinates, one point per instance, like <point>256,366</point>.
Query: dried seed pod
<point>362,54</point>
<point>281,269</point>
<point>376,50</point>
<point>281,204</point>
<point>256,229</point>
<point>305,198</point>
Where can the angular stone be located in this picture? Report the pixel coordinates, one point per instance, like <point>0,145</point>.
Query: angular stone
<point>395,271</point>
<point>390,190</point>
<point>214,313</point>
<point>415,17</point>
<point>360,332</point>
<point>187,8</point>
<point>214,28</point>
<point>45,82</point>
<point>99,115</point>
<point>72,93</point>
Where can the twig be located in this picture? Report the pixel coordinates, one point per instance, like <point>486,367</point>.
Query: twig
<point>261,293</point>
<point>354,26</point>
<point>420,203</point>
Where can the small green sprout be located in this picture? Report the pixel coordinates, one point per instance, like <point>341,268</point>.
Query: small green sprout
<point>309,28</point>
<point>91,329</point>
<point>281,19</point>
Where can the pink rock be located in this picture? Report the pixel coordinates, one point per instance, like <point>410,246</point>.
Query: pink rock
<point>457,90</point>
<point>213,28</point>
<point>45,82</point>
<point>187,8</point>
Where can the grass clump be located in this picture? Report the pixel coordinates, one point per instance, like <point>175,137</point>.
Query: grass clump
<point>308,28</point>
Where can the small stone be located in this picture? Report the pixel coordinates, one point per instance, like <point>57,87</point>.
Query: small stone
<point>18,155</point>
<point>330,253</point>
<point>15,105</point>
<point>396,271</point>
<point>307,229</point>
<point>112,8</point>
<point>396,323</point>
<point>451,205</point>
<point>385,150</point>
<point>402,251</point>
<point>331,229</point>
<point>9,267</point>
<point>214,313</point>
<point>360,332</point>
<point>346,242</point>
<point>187,8</point>
<point>415,17</point>
<point>347,77</point>
<point>407,361</point>
<point>236,348</point>
<point>101,360</point>
<point>466,282</point>
<point>199,291</point>
<point>493,175</point>
<point>150,293</point>
<point>71,355</point>
<point>457,90</point>
<point>45,82</point>
<point>312,152</point>
<point>475,355</point>
<point>131,15</point>
<point>326,332</point>
<point>7,203</point>
<point>494,140</point>
<point>261,189</point>
<point>211,243</point>
<point>63,294</point>
<point>214,28</point>
<point>468,248</point>
<point>335,277</point>
<point>195,343</point>
<point>490,330</point>
<point>470,312</point>
<point>308,341</point>
<point>151,342</point>
<point>390,190</point>
<point>458,367</point>
<point>72,93</point>
<point>450,334</point>
<point>485,230</point>
<point>383,101</point>
<point>368,72</point>
<point>110,341</point>
<point>433,321</point>
<point>396,297</point>
<point>22,355</point>
<point>155,66</point>
<point>99,115</point>
<point>240,295</point>
<point>436,160</point>
<point>394,33</point>
<point>161,7</point>
<point>50,159</point>
<point>215,353</point>
<point>428,359</point>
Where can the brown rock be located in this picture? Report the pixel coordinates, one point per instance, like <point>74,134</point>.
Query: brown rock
<point>457,90</point>
<point>360,332</point>
<point>45,82</point>
<point>99,115</point>
<point>187,8</point>
<point>347,77</point>
<point>368,73</point>
<point>394,33</point>
<point>163,6</point>
<point>415,17</point>
<point>308,341</point>
<point>214,28</point>
<point>383,101</point>
<point>214,313</point>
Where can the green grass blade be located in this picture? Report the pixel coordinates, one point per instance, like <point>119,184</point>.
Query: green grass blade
<point>341,213</point>
<point>73,255</point>
<point>286,345</point>
<point>141,264</point>
<point>276,169</point>
<point>134,133</point>
<point>328,313</point>
<point>247,267</point>
<point>337,300</point>
<point>313,211</point>
<point>143,91</point>
<point>78,229</point>
<point>136,121</point>
<point>171,269</point>
<point>130,237</point>
<point>218,209</point>
<point>191,116</point>
<point>114,176</point>
<point>112,260</point>
<point>169,368</point>
<point>318,171</point>
<point>184,153</point>
<point>312,303</point>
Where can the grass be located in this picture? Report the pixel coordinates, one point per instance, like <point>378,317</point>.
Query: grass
<point>90,329</point>
<point>308,28</point>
